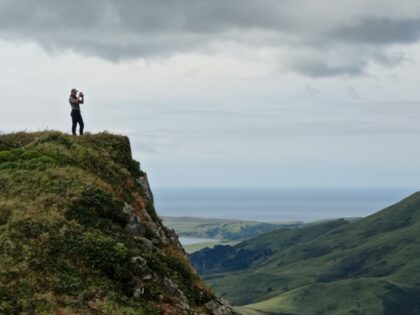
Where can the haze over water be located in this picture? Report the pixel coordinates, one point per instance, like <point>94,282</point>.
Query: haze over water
<point>275,204</point>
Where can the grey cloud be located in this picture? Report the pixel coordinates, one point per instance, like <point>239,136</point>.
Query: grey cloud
<point>351,62</point>
<point>379,31</point>
<point>118,30</point>
<point>158,16</point>
<point>322,68</point>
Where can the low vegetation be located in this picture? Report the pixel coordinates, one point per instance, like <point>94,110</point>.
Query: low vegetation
<point>64,243</point>
<point>368,266</point>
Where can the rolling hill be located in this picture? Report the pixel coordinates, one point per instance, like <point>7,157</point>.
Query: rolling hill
<point>369,266</point>
<point>222,229</point>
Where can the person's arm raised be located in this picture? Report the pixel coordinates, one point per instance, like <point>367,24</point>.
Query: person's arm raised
<point>81,98</point>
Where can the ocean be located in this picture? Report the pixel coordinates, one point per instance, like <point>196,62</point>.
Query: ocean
<point>275,204</point>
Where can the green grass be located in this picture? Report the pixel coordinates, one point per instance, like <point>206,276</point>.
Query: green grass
<point>223,229</point>
<point>368,266</point>
<point>360,297</point>
<point>248,311</point>
<point>64,246</point>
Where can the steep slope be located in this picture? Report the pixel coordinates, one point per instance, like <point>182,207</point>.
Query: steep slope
<point>79,233</point>
<point>370,266</point>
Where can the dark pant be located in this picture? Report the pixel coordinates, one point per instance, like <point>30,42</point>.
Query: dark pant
<point>76,118</point>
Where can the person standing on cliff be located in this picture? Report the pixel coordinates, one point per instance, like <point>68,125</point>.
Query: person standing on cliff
<point>76,116</point>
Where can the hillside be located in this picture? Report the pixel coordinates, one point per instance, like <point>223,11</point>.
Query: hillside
<point>223,229</point>
<point>79,233</point>
<point>369,266</point>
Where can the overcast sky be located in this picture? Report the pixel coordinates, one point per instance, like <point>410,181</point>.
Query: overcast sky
<point>288,93</point>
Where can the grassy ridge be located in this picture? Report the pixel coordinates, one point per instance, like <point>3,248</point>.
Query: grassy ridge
<point>64,245</point>
<point>223,229</point>
<point>369,266</point>
<point>191,248</point>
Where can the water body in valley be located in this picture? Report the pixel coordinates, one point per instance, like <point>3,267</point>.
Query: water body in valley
<point>187,240</point>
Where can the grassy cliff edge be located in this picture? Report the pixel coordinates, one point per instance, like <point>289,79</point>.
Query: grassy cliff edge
<point>79,233</point>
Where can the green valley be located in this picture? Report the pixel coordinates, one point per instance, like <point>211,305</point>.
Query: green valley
<point>367,266</point>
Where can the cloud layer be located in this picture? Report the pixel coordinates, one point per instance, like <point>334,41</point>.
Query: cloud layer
<point>317,38</point>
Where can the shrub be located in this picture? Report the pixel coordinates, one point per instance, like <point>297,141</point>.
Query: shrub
<point>5,214</point>
<point>95,208</point>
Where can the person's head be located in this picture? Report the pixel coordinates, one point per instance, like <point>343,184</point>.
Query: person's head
<point>73,92</point>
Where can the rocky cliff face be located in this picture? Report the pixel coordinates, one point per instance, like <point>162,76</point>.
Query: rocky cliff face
<point>79,233</point>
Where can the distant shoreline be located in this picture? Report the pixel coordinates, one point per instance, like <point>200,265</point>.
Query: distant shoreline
<point>274,204</point>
